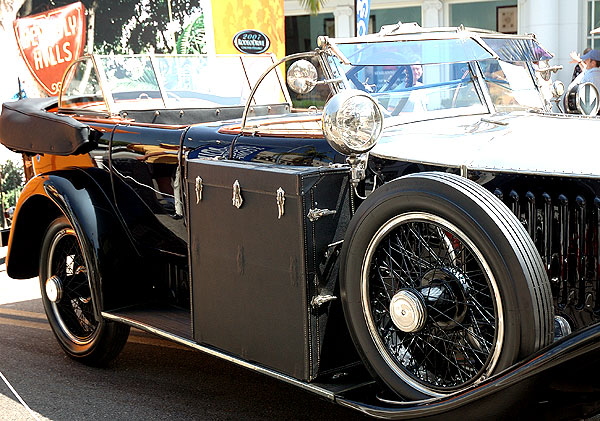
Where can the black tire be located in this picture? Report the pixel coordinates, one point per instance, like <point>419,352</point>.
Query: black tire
<point>64,276</point>
<point>441,285</point>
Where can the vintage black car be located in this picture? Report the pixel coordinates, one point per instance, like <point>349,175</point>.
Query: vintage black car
<point>414,234</point>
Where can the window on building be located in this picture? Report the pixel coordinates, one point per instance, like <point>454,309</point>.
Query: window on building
<point>593,22</point>
<point>301,32</point>
<point>485,15</point>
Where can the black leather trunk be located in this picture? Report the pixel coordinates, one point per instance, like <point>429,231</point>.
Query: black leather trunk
<point>254,271</point>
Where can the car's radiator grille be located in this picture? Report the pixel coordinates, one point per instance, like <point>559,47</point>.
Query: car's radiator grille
<point>565,229</point>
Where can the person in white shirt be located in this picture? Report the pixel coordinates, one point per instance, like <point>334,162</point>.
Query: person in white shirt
<point>412,100</point>
<point>591,73</point>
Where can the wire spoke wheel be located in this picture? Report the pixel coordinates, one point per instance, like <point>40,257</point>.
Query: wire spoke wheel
<point>441,286</point>
<point>74,311</point>
<point>66,283</point>
<point>431,303</point>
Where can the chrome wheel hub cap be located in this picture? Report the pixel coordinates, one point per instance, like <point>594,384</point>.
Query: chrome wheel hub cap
<point>408,311</point>
<point>54,289</point>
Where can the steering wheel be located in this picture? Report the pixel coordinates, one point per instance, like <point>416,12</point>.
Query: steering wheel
<point>405,71</point>
<point>463,80</point>
<point>351,76</point>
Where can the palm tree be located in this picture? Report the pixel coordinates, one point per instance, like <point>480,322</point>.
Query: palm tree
<point>312,5</point>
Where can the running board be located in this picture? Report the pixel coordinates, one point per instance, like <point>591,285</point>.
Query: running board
<point>522,389</point>
<point>325,390</point>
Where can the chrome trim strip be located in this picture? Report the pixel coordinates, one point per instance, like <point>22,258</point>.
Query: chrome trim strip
<point>474,167</point>
<point>219,354</point>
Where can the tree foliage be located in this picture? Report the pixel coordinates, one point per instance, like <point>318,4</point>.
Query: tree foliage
<point>132,26</point>
<point>139,26</point>
<point>192,39</point>
<point>313,6</point>
<point>12,182</point>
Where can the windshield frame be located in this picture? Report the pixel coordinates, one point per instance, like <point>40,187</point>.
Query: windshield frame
<point>158,73</point>
<point>471,49</point>
<point>342,62</point>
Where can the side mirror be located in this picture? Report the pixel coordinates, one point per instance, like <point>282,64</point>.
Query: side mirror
<point>302,76</point>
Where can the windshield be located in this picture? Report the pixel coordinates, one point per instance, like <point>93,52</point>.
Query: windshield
<point>416,80</point>
<point>419,91</point>
<point>518,49</point>
<point>145,82</point>
<point>429,51</point>
<point>510,85</point>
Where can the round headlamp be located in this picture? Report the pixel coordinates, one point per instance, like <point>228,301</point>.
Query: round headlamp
<point>352,122</point>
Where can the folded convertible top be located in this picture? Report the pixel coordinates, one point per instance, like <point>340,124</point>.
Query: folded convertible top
<point>26,127</point>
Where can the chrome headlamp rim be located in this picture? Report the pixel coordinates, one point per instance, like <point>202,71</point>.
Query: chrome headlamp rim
<point>352,122</point>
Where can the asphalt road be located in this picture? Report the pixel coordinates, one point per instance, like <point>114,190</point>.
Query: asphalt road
<point>153,379</point>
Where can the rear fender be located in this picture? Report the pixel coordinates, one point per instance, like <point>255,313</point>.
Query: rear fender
<point>81,196</point>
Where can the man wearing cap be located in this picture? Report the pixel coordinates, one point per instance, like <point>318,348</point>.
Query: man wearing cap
<point>591,73</point>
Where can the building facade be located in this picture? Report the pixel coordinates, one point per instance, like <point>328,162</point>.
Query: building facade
<point>561,26</point>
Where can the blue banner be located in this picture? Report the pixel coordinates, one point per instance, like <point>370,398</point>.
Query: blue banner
<point>363,7</point>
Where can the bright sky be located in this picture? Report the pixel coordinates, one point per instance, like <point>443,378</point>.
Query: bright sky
<point>6,154</point>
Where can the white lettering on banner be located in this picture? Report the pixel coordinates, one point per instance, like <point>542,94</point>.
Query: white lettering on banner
<point>363,8</point>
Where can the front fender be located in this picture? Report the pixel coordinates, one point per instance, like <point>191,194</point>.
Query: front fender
<point>558,382</point>
<point>80,195</point>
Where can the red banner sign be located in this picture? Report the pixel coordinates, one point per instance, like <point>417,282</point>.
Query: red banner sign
<point>50,41</point>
